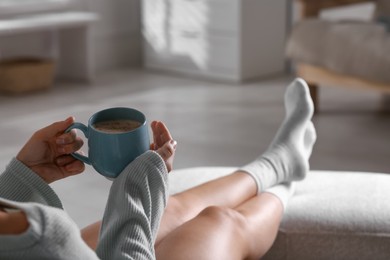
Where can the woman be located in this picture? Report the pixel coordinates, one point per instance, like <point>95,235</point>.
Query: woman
<point>233,217</point>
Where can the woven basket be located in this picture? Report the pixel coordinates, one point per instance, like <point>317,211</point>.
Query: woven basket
<point>24,75</point>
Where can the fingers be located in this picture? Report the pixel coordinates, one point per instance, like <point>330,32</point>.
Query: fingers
<point>167,153</point>
<point>63,160</point>
<point>68,143</point>
<point>75,167</point>
<point>164,132</point>
<point>70,165</point>
<point>153,125</point>
<point>161,134</point>
<point>56,128</point>
<point>168,150</point>
<point>67,138</point>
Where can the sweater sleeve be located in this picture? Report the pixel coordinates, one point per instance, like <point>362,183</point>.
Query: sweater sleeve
<point>135,205</point>
<point>20,183</point>
<point>51,235</point>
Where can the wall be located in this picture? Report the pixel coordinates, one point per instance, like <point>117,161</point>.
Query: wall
<point>116,36</point>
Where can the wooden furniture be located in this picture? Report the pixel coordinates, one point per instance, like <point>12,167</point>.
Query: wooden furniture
<point>230,40</point>
<point>316,76</point>
<point>69,42</point>
<point>10,8</point>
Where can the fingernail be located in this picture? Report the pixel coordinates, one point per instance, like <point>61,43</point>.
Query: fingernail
<point>173,143</point>
<point>70,119</point>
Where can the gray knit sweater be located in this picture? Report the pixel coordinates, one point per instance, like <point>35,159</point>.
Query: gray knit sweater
<point>133,212</point>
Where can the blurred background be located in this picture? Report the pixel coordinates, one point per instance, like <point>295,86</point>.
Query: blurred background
<point>214,71</point>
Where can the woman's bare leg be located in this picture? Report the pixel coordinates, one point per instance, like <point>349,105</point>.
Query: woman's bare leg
<point>90,234</point>
<point>228,191</point>
<point>184,206</point>
<point>246,232</point>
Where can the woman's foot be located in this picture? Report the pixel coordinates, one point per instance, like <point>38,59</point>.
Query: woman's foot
<point>163,143</point>
<point>287,158</point>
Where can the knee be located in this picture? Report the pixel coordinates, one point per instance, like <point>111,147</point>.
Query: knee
<point>226,217</point>
<point>234,226</point>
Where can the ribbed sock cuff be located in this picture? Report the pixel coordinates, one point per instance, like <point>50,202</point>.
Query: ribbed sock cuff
<point>283,192</point>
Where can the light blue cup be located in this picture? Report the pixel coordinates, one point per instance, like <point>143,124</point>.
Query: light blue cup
<point>110,153</point>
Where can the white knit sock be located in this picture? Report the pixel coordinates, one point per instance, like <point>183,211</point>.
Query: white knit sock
<point>287,157</point>
<point>283,192</point>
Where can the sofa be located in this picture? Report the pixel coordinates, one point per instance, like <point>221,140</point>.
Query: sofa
<point>333,215</point>
<point>342,53</point>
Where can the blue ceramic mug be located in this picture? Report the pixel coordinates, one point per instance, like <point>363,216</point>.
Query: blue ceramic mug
<point>116,136</point>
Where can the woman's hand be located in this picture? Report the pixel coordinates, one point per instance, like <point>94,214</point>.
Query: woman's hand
<point>163,143</point>
<point>47,153</point>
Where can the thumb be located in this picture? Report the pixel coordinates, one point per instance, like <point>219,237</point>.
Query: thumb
<point>57,127</point>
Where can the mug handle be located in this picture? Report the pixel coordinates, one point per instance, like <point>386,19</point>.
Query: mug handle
<point>84,129</point>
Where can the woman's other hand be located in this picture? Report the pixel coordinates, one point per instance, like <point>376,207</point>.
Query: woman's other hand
<point>163,143</point>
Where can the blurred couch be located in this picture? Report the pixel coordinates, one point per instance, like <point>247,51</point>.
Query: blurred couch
<point>344,53</point>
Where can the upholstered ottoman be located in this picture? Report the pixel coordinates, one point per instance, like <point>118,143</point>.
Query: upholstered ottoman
<point>332,215</point>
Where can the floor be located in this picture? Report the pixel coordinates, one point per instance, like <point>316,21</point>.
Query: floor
<point>215,124</point>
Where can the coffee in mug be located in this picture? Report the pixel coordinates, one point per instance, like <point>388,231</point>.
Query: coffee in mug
<point>117,126</point>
